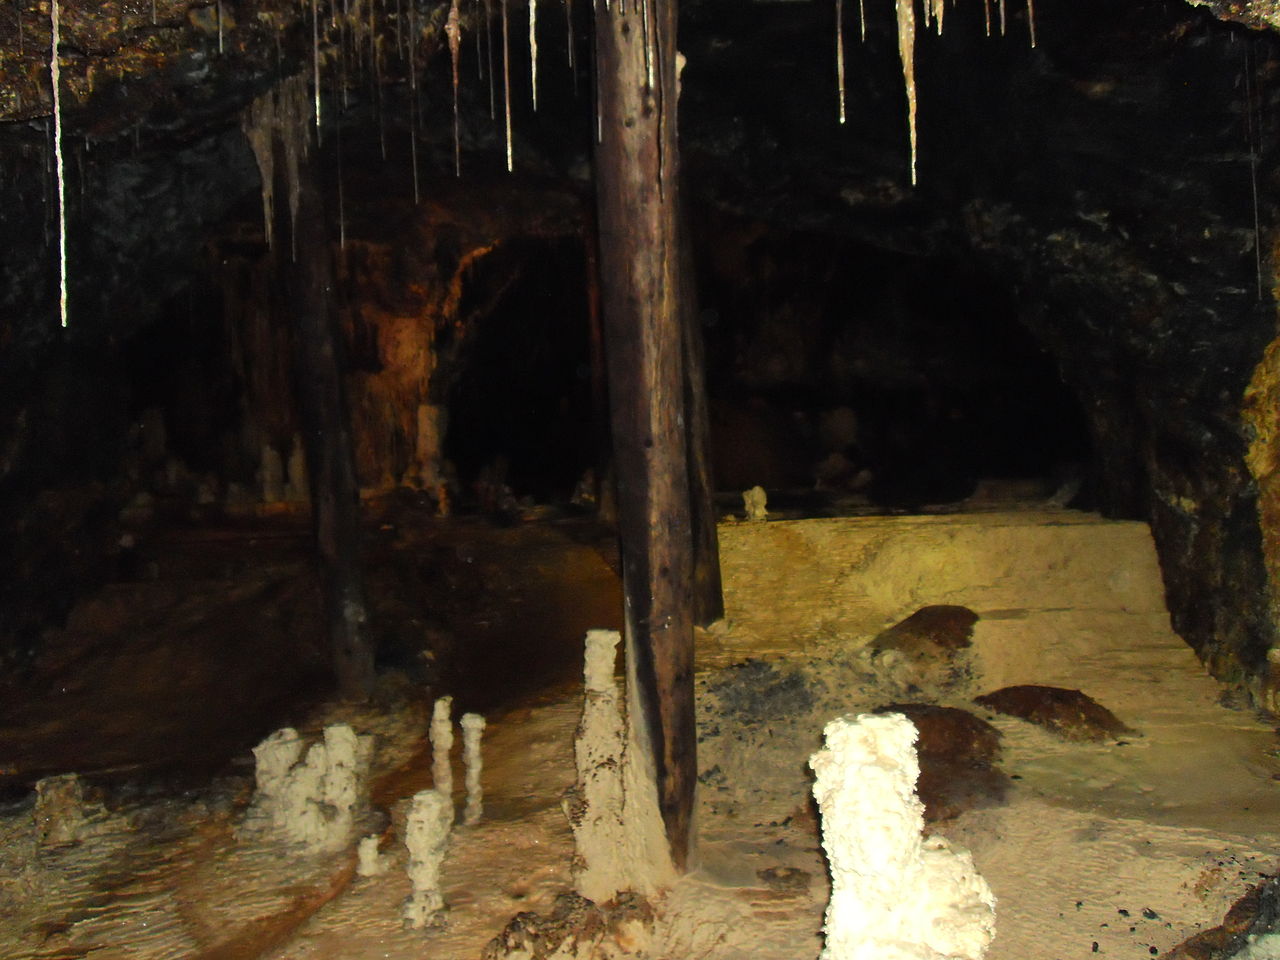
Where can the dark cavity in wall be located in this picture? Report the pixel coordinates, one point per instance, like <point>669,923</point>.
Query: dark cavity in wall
<point>519,413</point>
<point>839,367</point>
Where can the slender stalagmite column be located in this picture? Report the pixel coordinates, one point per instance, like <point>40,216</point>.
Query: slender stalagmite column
<point>441,745</point>
<point>640,265</point>
<point>472,731</point>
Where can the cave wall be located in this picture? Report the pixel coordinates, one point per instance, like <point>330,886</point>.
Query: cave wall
<point>1108,176</point>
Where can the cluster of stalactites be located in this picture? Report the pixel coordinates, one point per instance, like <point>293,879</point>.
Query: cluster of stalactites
<point>282,114</point>
<point>934,11</point>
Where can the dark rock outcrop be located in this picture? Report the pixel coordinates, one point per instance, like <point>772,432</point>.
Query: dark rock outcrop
<point>1070,714</point>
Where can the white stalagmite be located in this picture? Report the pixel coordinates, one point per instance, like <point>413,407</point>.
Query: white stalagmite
<point>907,51</point>
<point>533,51</point>
<point>472,730</point>
<point>755,502</point>
<point>274,757</point>
<point>441,744</point>
<point>613,810</point>
<point>895,895</point>
<point>427,837</point>
<point>55,80</point>
<point>369,862</point>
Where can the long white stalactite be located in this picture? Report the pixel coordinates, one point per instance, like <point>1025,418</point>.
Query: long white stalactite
<point>840,55</point>
<point>453,29</point>
<point>907,51</point>
<point>55,77</point>
<point>506,81</point>
<point>533,51</point>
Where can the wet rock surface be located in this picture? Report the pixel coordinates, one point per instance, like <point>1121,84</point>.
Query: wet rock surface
<point>758,692</point>
<point>929,647</point>
<point>942,627</point>
<point>1070,714</point>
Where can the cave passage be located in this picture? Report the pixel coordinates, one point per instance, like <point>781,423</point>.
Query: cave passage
<point>851,371</point>
<point>520,410</point>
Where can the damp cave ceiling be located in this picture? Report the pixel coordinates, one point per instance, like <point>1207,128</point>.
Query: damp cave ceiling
<point>174,63</point>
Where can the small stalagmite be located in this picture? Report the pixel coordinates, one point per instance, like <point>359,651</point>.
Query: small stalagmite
<point>369,862</point>
<point>472,730</point>
<point>441,745</point>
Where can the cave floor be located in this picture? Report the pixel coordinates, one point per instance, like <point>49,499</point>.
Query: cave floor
<point>1119,848</point>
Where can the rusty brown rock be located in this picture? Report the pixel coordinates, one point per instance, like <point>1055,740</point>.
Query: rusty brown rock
<point>942,625</point>
<point>1070,714</point>
<point>958,752</point>
<point>951,734</point>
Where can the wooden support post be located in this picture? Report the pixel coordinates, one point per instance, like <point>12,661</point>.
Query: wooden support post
<point>636,162</point>
<point>306,264</point>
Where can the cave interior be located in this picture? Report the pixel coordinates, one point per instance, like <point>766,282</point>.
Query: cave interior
<point>1073,304</point>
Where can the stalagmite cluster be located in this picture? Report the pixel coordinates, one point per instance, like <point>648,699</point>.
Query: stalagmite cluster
<point>617,830</point>
<point>755,503</point>
<point>311,795</point>
<point>895,895</point>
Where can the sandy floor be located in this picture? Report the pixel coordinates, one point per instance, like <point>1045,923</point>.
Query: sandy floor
<point>1121,848</point>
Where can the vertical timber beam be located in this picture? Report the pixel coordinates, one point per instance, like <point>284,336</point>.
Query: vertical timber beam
<point>307,268</point>
<point>636,162</point>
